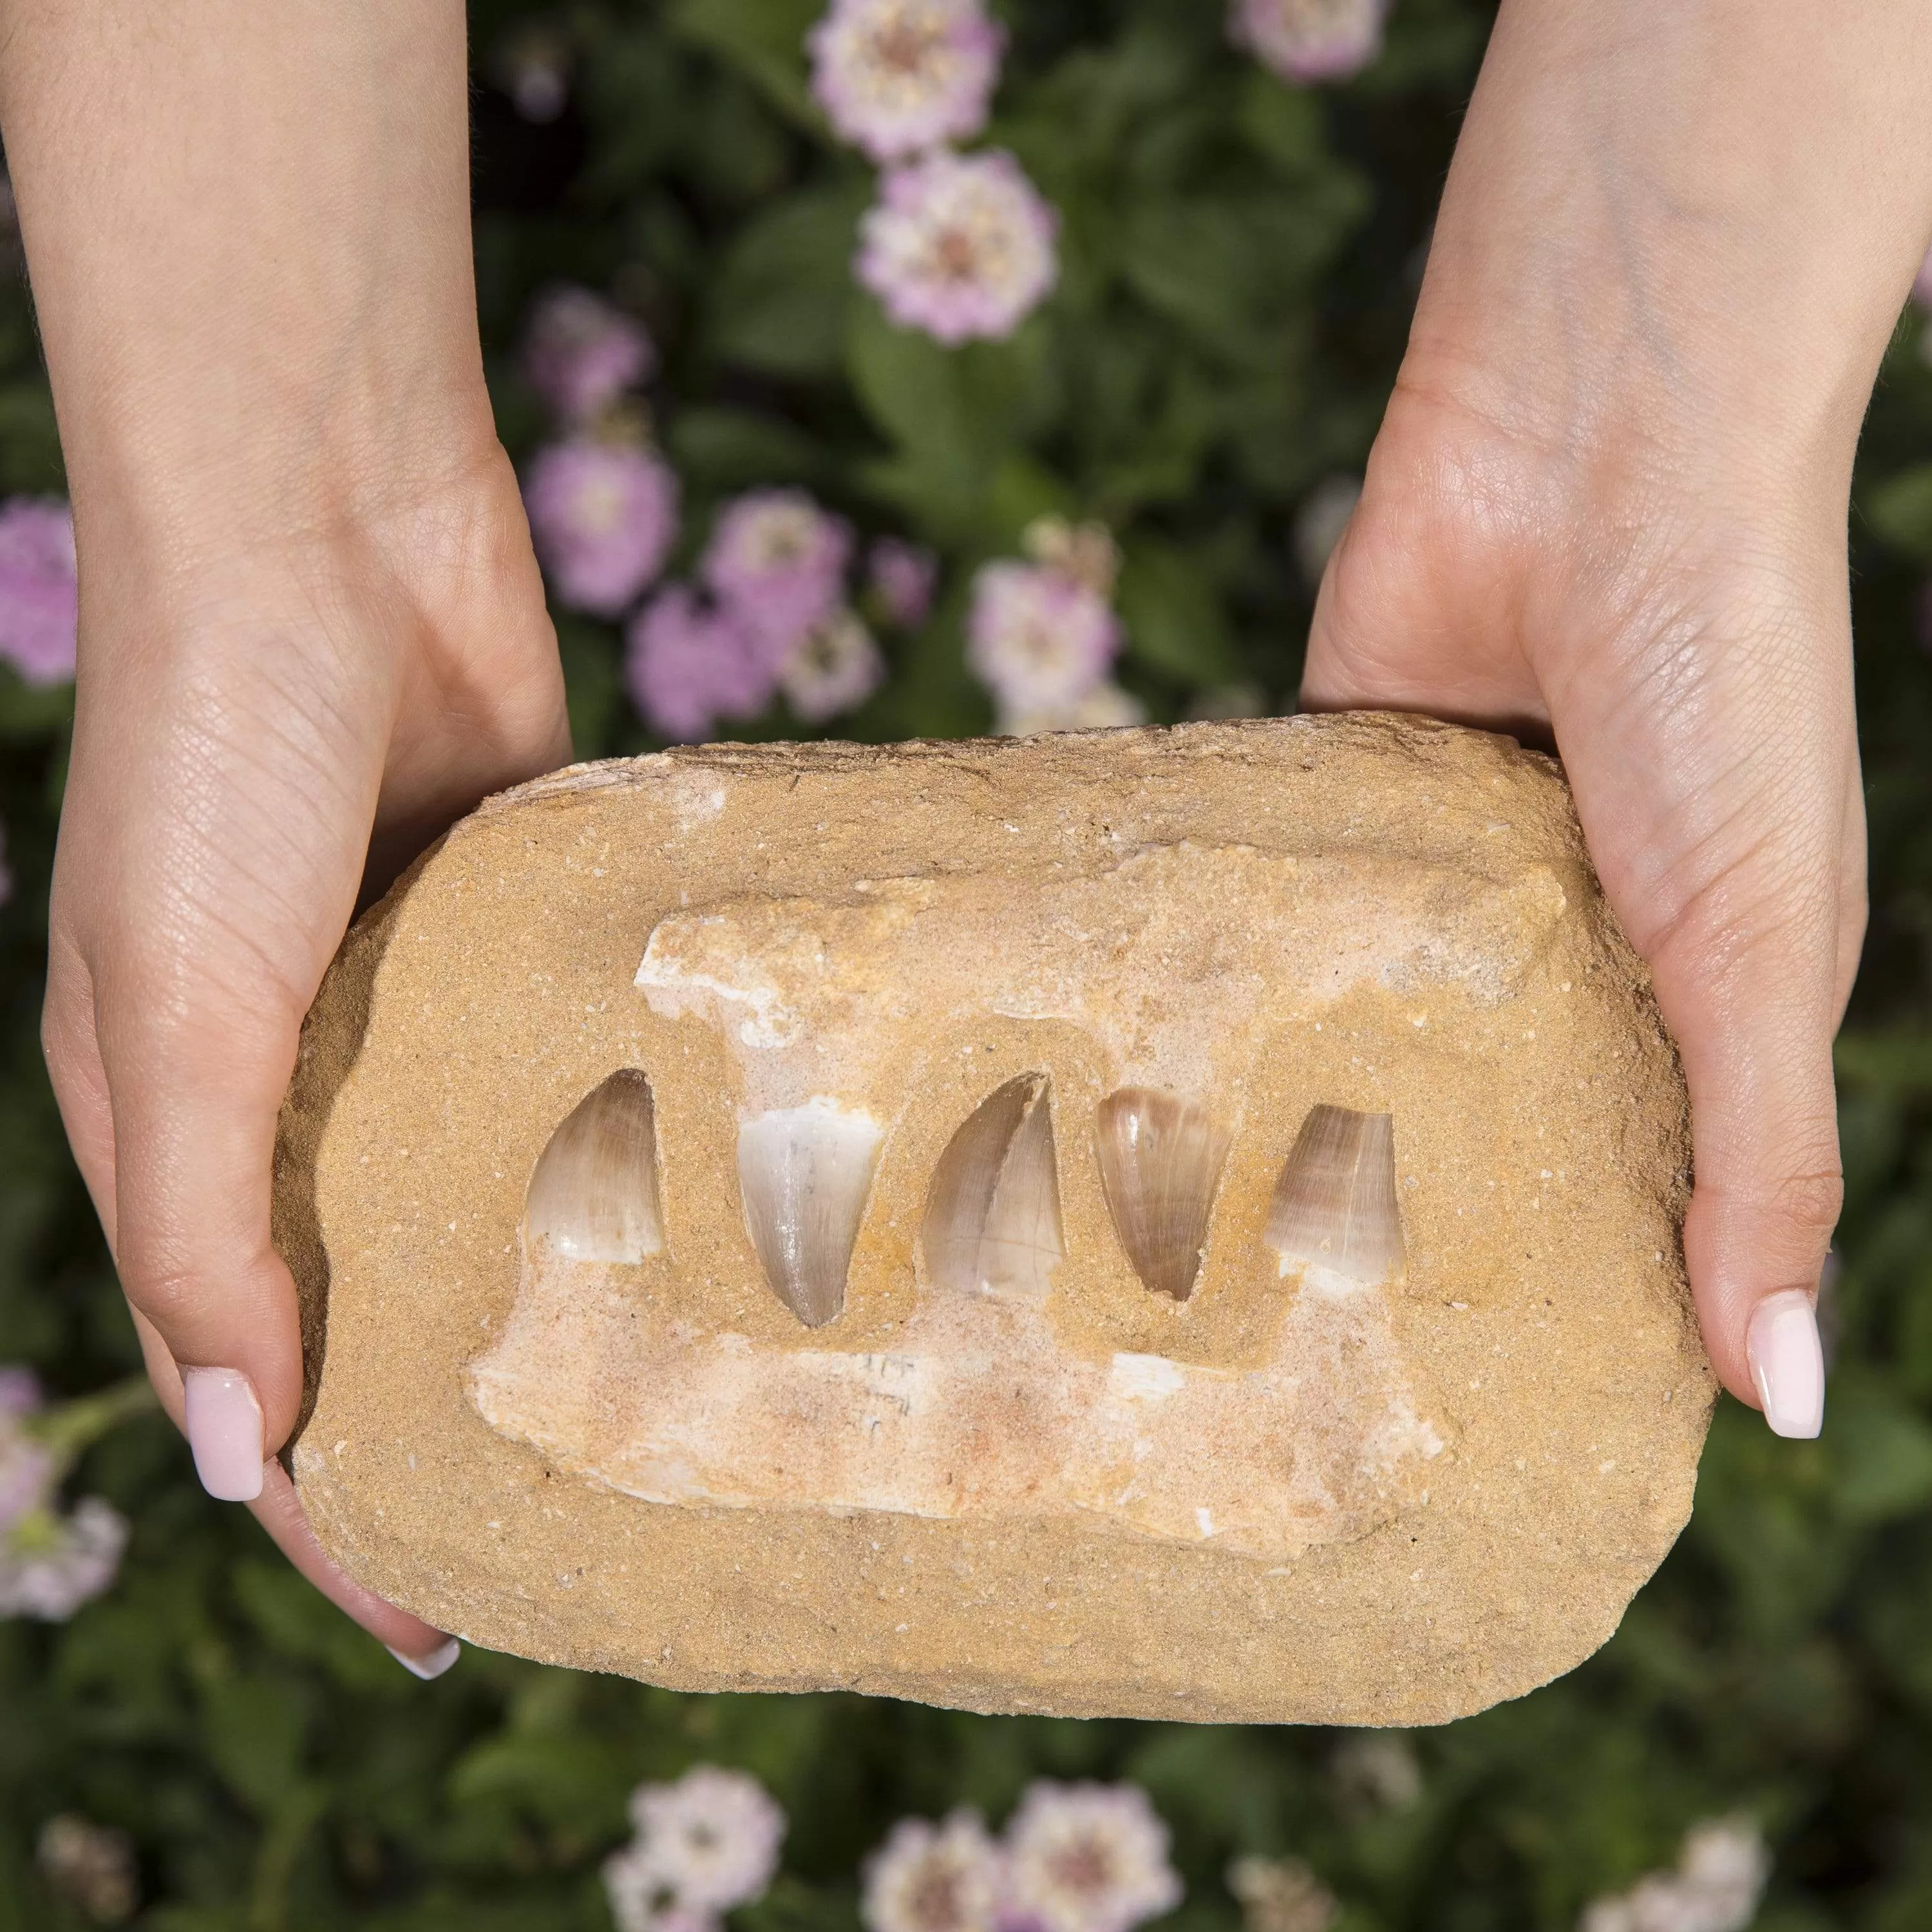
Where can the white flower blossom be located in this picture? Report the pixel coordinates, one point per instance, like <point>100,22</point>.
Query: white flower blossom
<point>704,1844</point>
<point>1720,1876</point>
<point>933,1878</point>
<point>1087,1858</point>
<point>50,1565</point>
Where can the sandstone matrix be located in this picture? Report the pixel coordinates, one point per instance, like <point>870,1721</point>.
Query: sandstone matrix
<point>1057,1062</point>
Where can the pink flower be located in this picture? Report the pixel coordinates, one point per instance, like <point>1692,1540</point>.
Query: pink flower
<point>959,245</point>
<point>836,669</point>
<point>896,77</point>
<point>688,666</point>
<point>1087,1858</point>
<point>1039,638</point>
<point>580,354</point>
<point>1310,40</point>
<point>901,578</point>
<point>776,562</point>
<point>604,516</point>
<point>39,604</point>
<point>702,1845</point>
<point>933,1878</point>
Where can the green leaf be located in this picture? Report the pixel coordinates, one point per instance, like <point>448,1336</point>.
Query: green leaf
<point>1900,511</point>
<point>764,39</point>
<point>1890,1061</point>
<point>1884,1452</point>
<point>593,685</point>
<point>724,448</point>
<point>783,293</point>
<point>1174,621</point>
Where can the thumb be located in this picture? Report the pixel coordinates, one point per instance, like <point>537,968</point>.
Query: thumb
<point>1735,864</point>
<point>195,1061</point>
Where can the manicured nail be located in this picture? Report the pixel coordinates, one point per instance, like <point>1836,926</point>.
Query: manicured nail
<point>224,1430</point>
<point>432,1663</point>
<point>1787,1364</point>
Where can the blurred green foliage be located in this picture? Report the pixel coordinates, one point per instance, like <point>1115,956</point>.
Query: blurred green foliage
<point>1240,260</point>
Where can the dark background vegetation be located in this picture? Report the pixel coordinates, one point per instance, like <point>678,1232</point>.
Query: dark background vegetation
<point>1240,261</point>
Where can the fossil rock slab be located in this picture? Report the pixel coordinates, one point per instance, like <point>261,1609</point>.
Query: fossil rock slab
<point>1176,1223</point>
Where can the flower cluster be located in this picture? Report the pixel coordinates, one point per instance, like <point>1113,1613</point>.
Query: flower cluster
<point>50,1563</point>
<point>602,504</point>
<point>959,245</point>
<point>701,1846</point>
<point>1720,1876</point>
<point>39,602</point>
<point>1309,40</point>
<point>1074,1857</point>
<point>772,617</point>
<point>1043,636</point>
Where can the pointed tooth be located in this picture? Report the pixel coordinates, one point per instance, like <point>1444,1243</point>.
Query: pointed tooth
<point>992,1213</point>
<point>1335,1205</point>
<point>1160,1160</point>
<point>804,1173</point>
<point>593,1193</point>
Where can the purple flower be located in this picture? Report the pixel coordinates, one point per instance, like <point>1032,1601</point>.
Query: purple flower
<point>1087,1858</point>
<point>1309,40</point>
<point>900,577</point>
<point>777,562</point>
<point>688,666</point>
<point>603,515</point>
<point>39,604</point>
<point>959,245</point>
<point>896,77</point>
<point>933,1878</point>
<point>837,668</point>
<point>1039,638</point>
<point>702,1845</point>
<point>580,354</point>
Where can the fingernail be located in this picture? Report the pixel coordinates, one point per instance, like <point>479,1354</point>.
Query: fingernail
<point>1787,1364</point>
<point>432,1663</point>
<point>224,1430</point>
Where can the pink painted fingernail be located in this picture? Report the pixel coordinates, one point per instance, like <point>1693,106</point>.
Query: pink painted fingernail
<point>432,1663</point>
<point>224,1430</point>
<point>1787,1364</point>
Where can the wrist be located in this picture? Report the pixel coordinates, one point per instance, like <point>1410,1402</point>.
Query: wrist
<point>1683,229</point>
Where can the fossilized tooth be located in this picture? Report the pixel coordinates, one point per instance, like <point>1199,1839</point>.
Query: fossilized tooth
<point>992,1212</point>
<point>1160,1158</point>
<point>593,1193</point>
<point>1334,1206</point>
<point>805,1173</point>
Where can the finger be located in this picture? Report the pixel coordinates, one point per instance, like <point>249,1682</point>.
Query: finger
<point>419,1647</point>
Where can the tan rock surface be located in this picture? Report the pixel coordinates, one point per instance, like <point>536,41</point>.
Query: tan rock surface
<point>1006,1022</point>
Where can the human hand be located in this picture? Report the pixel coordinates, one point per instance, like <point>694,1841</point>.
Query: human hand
<point>1608,504</point>
<point>312,629</point>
